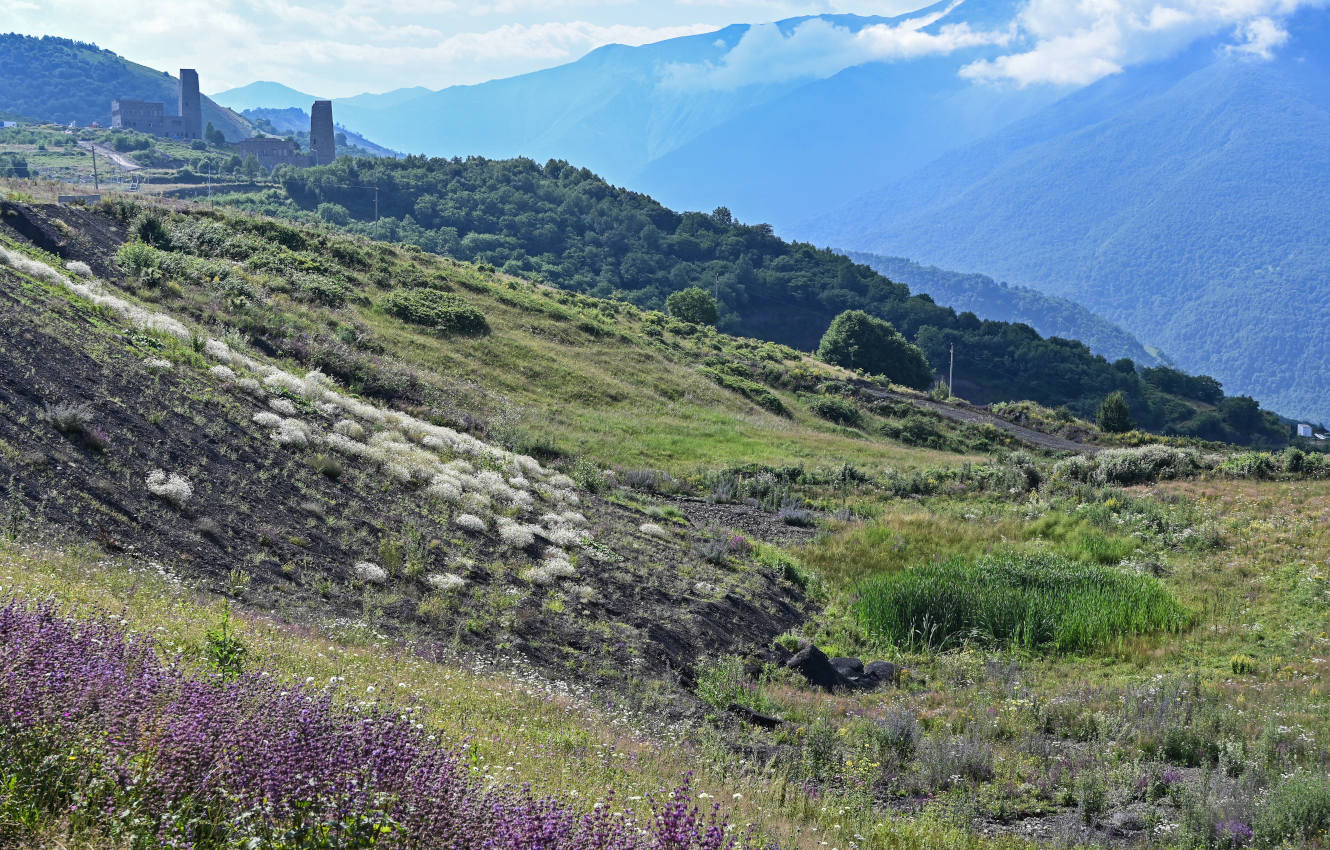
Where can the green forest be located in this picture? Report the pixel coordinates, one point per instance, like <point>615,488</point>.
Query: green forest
<point>567,227</point>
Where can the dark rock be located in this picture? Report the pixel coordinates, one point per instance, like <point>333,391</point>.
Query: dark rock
<point>850,668</point>
<point>884,672</point>
<point>813,664</point>
<point>756,718</point>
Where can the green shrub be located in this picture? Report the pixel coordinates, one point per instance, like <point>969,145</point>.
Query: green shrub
<point>838,410</point>
<point>1298,811</point>
<point>751,390</point>
<point>1249,465</point>
<point>1124,467</point>
<point>446,313</point>
<point>693,305</point>
<point>856,340</point>
<point>1027,601</point>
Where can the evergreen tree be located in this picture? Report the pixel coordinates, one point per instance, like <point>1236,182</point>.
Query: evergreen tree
<point>1114,415</point>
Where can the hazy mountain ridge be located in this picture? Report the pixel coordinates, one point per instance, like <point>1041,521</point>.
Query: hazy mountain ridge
<point>1178,199</point>
<point>1048,314</point>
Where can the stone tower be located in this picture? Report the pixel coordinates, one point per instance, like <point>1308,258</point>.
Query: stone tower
<point>322,142</point>
<point>191,105</point>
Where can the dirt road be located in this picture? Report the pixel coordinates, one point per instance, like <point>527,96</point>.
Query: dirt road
<point>978,416</point>
<point>120,160</point>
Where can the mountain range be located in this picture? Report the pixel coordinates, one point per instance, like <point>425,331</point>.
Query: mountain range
<point>1186,200</point>
<point>1180,198</point>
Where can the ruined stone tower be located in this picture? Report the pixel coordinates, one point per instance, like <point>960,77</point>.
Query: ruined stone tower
<point>191,105</point>
<point>322,142</point>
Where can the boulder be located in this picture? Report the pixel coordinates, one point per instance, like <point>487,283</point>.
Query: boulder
<point>756,718</point>
<point>813,664</point>
<point>884,672</point>
<point>850,668</point>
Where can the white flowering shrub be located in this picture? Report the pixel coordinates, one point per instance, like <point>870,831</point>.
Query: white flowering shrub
<point>470,522</point>
<point>266,419</point>
<point>223,373</point>
<point>283,406</point>
<point>370,573</point>
<point>528,465</point>
<point>566,497</point>
<point>652,530</point>
<point>250,387</point>
<point>476,502</point>
<point>292,433</point>
<point>171,487</point>
<point>566,537</point>
<point>444,582</point>
<point>350,428</point>
<point>280,380</point>
<point>516,535</point>
<point>346,446</point>
<point>156,364</point>
<point>445,489</point>
<point>79,268</point>
<point>549,570</point>
<point>705,588</point>
<point>561,482</point>
<point>574,518</point>
<point>517,482</point>
<point>32,268</point>
<point>218,350</point>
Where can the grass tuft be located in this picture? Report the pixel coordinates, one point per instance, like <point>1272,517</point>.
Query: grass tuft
<point>1033,602</point>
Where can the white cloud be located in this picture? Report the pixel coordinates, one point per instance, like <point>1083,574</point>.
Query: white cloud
<point>1262,35</point>
<point>817,49</point>
<point>1075,42</point>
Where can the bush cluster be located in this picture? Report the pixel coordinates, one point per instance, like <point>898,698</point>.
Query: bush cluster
<point>444,312</point>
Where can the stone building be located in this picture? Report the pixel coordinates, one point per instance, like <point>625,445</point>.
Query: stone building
<point>322,137</point>
<point>151,118</point>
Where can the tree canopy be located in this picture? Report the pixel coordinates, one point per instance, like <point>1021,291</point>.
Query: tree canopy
<point>856,340</point>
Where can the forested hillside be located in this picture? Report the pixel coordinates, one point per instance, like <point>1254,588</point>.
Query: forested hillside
<point>570,228</point>
<point>1184,200</point>
<point>60,80</point>
<point>980,294</point>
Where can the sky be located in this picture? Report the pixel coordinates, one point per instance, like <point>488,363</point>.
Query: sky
<point>337,48</point>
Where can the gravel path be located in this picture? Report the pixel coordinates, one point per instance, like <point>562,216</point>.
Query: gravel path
<point>978,416</point>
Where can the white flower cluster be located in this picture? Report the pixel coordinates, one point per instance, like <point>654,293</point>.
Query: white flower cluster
<point>172,487</point>
<point>370,573</point>
<point>444,582</point>
<point>554,566</point>
<point>652,530</point>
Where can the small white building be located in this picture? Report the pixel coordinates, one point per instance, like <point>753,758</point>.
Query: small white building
<point>1304,430</point>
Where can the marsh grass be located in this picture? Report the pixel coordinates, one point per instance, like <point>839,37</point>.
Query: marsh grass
<point>1032,602</point>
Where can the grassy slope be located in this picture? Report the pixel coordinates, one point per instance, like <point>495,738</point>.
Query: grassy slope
<point>1245,558</point>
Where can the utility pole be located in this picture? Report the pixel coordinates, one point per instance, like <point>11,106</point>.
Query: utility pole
<point>96,182</point>
<point>376,202</point>
<point>951,371</point>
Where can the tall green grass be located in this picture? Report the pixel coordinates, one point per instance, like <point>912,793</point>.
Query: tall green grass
<point>1035,602</point>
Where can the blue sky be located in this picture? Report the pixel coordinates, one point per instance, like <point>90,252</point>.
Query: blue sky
<point>334,48</point>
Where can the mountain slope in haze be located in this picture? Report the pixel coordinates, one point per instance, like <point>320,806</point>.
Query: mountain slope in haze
<point>1048,314</point>
<point>685,121</point>
<point>264,94</point>
<point>1185,200</point>
<point>59,80</point>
